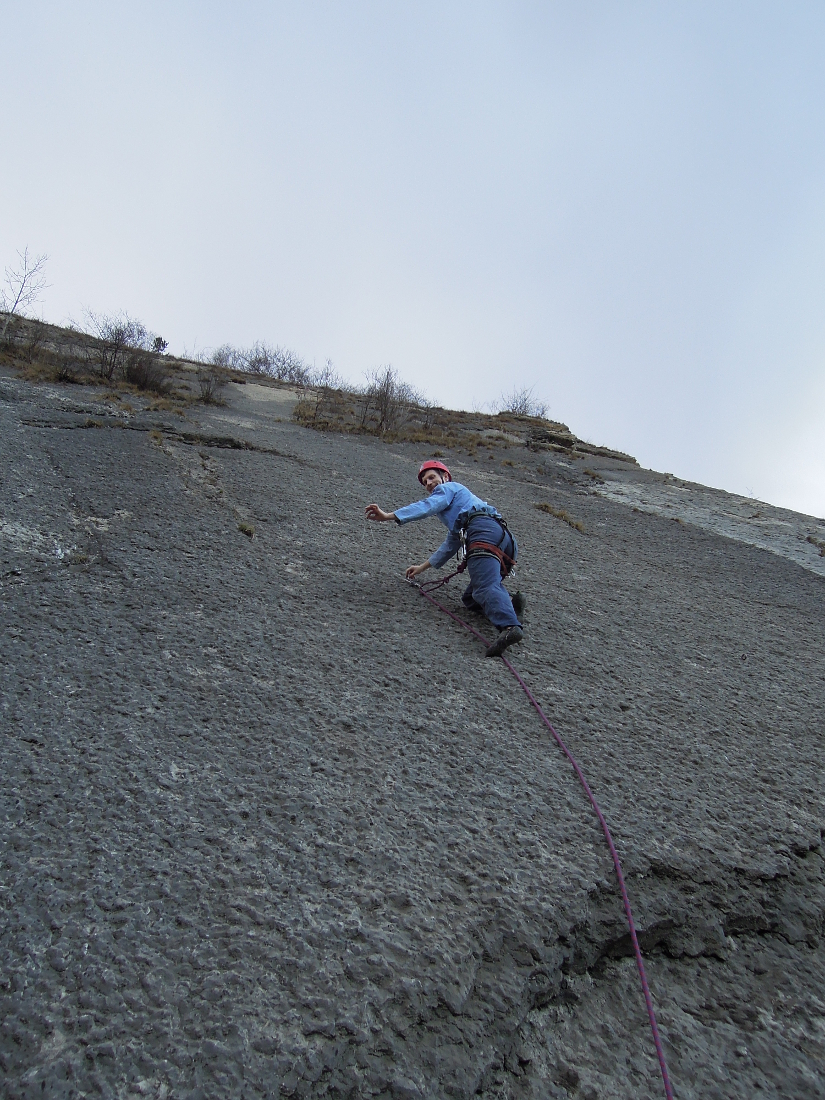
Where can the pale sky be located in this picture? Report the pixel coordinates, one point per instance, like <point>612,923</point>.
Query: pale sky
<point>620,204</point>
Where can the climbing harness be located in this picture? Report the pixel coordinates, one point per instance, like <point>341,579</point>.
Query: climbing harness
<point>425,590</point>
<point>479,547</point>
<point>466,551</point>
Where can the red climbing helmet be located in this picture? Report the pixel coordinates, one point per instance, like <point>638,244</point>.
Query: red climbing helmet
<point>433,464</point>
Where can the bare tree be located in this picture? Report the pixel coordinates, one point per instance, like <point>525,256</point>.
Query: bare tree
<point>229,357</point>
<point>117,335</point>
<point>279,363</point>
<point>521,402</point>
<point>211,383</point>
<point>426,410</point>
<point>259,359</point>
<point>290,367</point>
<point>33,343</point>
<point>325,382</point>
<point>327,378</point>
<point>391,399</point>
<point>23,286</point>
<point>145,370</point>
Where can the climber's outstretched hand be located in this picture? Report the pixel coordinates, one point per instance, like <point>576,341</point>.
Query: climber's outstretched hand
<point>372,511</point>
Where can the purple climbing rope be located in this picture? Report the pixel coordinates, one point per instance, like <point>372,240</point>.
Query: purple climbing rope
<point>657,1042</point>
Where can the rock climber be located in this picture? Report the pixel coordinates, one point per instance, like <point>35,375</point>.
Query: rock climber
<point>490,548</point>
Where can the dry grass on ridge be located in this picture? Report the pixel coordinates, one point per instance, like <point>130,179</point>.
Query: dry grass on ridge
<point>560,513</point>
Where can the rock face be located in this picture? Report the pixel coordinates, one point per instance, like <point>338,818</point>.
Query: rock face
<point>273,826</point>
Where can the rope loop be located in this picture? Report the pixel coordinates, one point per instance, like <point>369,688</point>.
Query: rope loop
<point>424,587</point>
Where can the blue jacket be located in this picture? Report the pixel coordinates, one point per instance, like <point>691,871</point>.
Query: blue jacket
<point>452,503</point>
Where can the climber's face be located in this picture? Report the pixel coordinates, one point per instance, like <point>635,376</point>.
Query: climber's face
<point>432,479</point>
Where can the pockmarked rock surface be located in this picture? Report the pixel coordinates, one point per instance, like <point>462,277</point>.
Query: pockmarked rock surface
<point>273,825</point>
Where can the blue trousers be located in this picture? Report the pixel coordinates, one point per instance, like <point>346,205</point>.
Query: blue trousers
<point>485,592</point>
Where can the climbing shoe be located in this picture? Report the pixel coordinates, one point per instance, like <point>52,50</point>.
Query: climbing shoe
<point>507,637</point>
<point>519,603</point>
